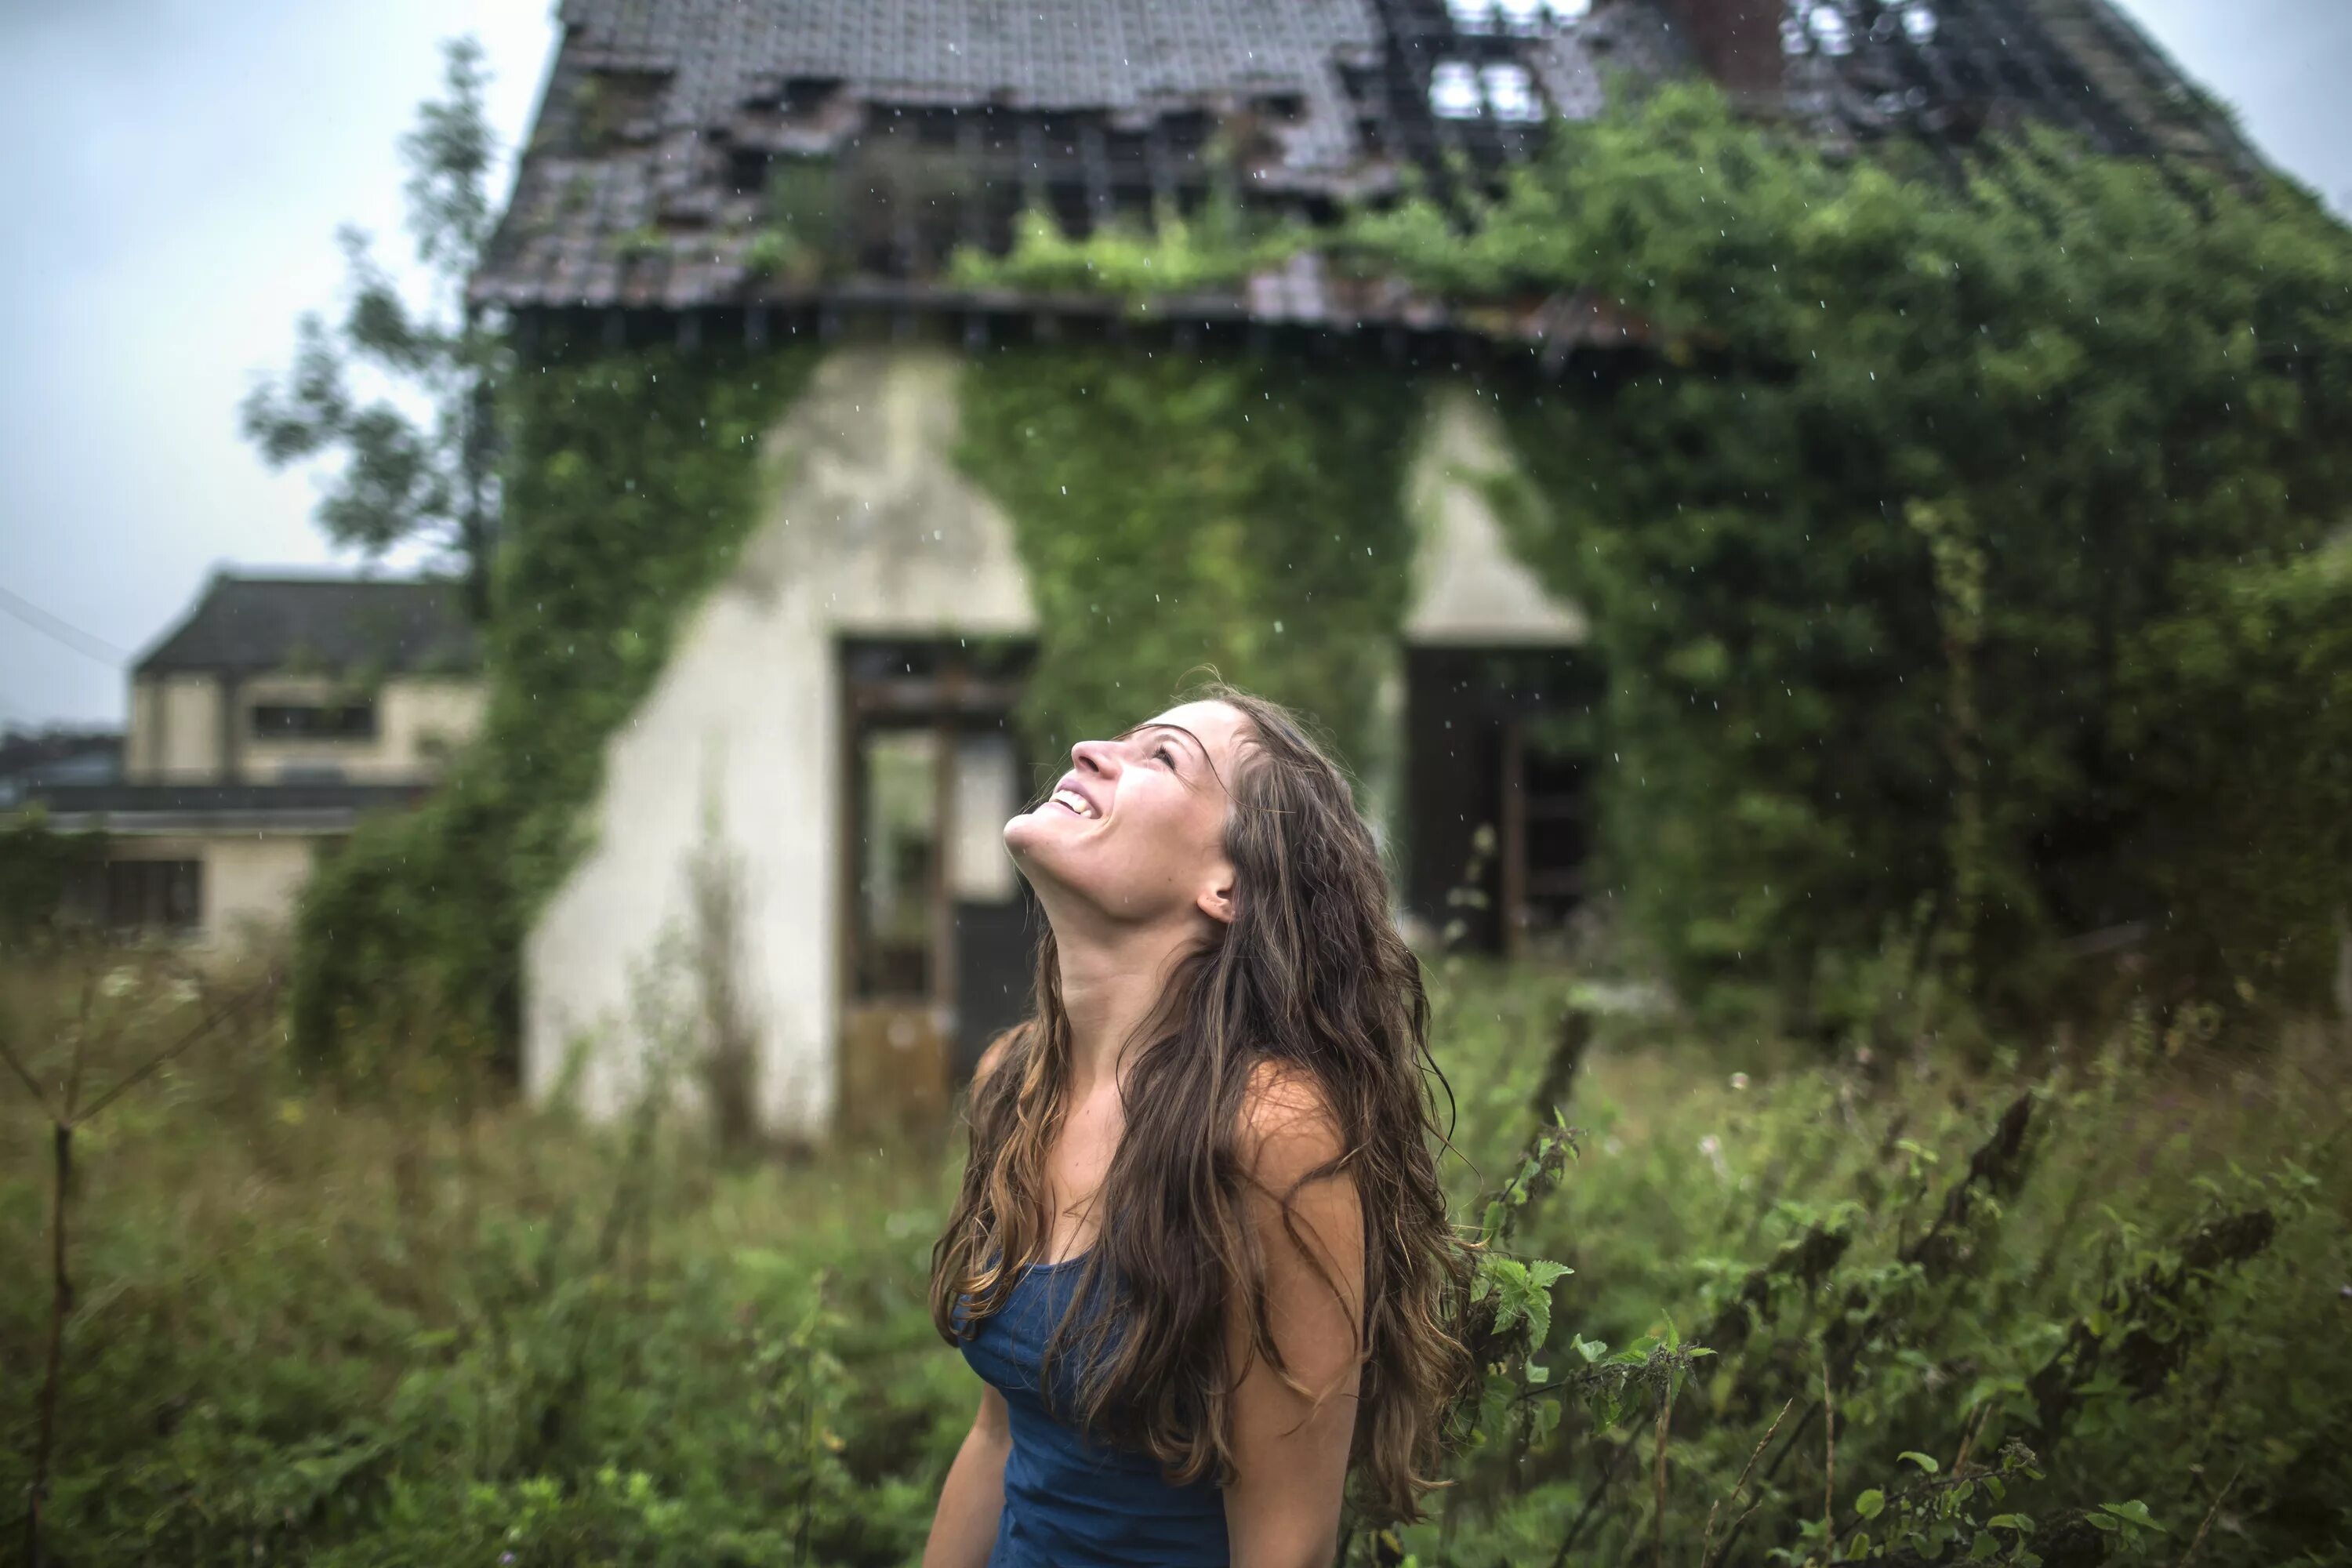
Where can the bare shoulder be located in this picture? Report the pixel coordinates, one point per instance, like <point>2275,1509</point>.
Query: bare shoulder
<point>1289,1129</point>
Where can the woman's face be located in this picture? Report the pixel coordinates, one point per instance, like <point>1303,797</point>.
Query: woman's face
<point>1135,829</point>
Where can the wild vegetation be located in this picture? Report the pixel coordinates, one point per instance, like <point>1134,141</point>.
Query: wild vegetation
<point>1876,1308</point>
<point>1968,563</point>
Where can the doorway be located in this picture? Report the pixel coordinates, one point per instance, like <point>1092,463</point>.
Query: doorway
<point>1498,821</point>
<point>933,953</point>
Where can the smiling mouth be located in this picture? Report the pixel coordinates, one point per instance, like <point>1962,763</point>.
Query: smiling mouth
<point>1072,802</point>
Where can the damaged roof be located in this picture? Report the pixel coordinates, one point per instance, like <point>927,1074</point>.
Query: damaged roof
<point>693,154</point>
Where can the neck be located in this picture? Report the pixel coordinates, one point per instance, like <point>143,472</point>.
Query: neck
<point>1111,980</point>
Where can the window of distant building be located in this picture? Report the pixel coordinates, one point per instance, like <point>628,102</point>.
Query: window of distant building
<point>314,721</point>
<point>154,895</point>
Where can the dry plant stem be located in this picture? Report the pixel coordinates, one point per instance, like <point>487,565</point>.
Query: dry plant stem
<point>1968,1435</point>
<point>2198,1540</point>
<point>1829,1463</point>
<point>60,1308</point>
<point>1707,1541</point>
<point>1658,1513</point>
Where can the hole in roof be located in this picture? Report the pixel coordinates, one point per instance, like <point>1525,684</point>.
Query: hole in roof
<point>1454,91</point>
<point>1472,16</point>
<point>1830,30</point>
<point>1511,92</point>
<point>1520,16</point>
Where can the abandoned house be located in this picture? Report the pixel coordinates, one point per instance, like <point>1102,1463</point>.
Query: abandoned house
<point>823,708</point>
<point>277,711</point>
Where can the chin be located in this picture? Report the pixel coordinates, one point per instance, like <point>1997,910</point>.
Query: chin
<point>1026,831</point>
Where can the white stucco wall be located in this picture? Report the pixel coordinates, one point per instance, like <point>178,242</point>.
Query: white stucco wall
<point>1468,589</point>
<point>175,730</point>
<point>251,885</point>
<point>870,529</point>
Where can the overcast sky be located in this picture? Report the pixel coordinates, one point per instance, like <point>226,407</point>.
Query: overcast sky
<point>180,169</point>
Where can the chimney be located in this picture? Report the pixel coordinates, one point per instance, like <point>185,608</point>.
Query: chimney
<point>1738,43</point>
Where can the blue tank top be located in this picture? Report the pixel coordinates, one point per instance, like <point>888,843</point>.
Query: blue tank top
<point>1070,1503</point>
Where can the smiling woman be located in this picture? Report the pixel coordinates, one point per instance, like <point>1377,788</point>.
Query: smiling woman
<point>1200,1258</point>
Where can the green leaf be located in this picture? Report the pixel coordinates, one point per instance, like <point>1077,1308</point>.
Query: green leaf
<point>1920,1459</point>
<point>2136,1512</point>
<point>1870,1504</point>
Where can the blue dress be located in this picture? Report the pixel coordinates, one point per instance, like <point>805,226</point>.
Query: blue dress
<point>1069,1503</point>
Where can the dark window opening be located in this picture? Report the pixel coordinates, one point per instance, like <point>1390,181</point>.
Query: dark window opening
<point>338,721</point>
<point>746,171</point>
<point>1498,825</point>
<point>936,929</point>
<point>153,895</point>
<point>806,94</point>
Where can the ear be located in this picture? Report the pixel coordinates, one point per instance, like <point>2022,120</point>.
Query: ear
<point>1216,899</point>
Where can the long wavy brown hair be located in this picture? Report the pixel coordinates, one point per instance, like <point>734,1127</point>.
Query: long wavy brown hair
<point>1311,975</point>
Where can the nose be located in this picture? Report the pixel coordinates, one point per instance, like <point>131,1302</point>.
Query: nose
<point>1095,756</point>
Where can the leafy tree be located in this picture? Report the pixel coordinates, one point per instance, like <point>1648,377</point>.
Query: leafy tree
<point>405,478</point>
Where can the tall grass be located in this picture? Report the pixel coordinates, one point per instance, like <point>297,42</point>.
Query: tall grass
<point>436,1326</point>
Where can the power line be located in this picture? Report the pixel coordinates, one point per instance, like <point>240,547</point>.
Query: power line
<point>60,630</point>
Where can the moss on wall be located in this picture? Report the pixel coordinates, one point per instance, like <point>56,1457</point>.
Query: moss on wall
<point>1180,509</point>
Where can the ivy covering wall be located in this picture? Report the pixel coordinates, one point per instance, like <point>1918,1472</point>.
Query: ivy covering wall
<point>632,477</point>
<point>1961,542</point>
<point>1966,556</point>
<point>1175,508</point>
<point>1939,547</point>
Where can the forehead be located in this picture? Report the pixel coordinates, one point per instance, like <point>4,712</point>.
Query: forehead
<point>1219,726</point>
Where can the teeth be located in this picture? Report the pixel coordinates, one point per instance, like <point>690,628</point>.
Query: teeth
<point>1074,801</point>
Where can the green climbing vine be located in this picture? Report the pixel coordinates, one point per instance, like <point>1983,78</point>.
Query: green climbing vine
<point>1179,509</point>
<point>1897,534</point>
<point>632,477</point>
<point>1883,546</point>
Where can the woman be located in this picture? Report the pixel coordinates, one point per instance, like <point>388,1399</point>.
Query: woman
<point>1200,1258</point>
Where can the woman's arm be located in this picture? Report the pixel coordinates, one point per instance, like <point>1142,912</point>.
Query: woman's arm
<point>1290,1444</point>
<point>963,1530</point>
